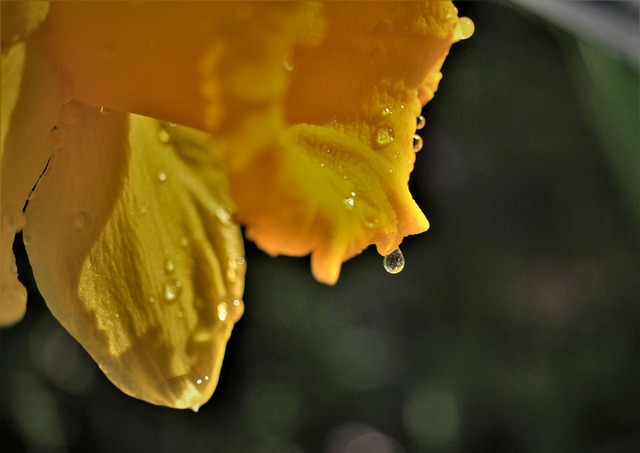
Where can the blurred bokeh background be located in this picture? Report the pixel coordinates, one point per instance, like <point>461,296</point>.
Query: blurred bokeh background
<point>514,326</point>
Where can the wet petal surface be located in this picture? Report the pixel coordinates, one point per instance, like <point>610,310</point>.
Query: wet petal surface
<point>131,244</point>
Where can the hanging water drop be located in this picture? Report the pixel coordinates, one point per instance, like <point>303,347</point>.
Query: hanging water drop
<point>394,262</point>
<point>417,143</point>
<point>464,29</point>
<point>420,122</point>
<point>384,136</point>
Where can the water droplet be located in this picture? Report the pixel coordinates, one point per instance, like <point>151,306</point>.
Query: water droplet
<point>387,111</point>
<point>201,380</point>
<point>69,113</point>
<point>105,110</point>
<point>382,29</point>
<point>224,215</point>
<point>162,176</point>
<point>81,220</point>
<point>163,136</point>
<point>288,61</point>
<point>370,222</point>
<point>384,136</point>
<point>173,124</point>
<point>417,143</point>
<point>394,262</point>
<point>184,241</point>
<point>464,29</point>
<point>237,302</point>
<point>172,290</point>
<point>27,239</point>
<point>222,311</point>
<point>195,408</point>
<point>152,299</point>
<point>350,201</point>
<point>420,122</point>
<point>57,137</point>
<point>143,209</point>
<point>169,266</point>
<point>240,261</point>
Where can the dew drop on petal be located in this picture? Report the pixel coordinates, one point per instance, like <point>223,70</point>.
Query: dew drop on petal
<point>184,241</point>
<point>417,143</point>
<point>394,262</point>
<point>384,136</point>
<point>162,176</point>
<point>224,215</point>
<point>420,122</point>
<point>195,408</point>
<point>172,290</point>
<point>169,266</point>
<point>222,311</point>
<point>173,124</point>
<point>105,110</point>
<point>163,135</point>
<point>387,111</point>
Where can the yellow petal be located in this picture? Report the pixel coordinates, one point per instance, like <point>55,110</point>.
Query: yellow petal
<point>20,19</point>
<point>32,91</point>
<point>336,180</point>
<point>135,253</point>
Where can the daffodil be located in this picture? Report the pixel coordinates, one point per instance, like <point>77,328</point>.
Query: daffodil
<point>296,120</point>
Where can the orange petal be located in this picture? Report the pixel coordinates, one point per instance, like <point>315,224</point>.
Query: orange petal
<point>336,181</point>
<point>201,64</point>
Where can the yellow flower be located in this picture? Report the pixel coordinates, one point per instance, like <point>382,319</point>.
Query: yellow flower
<point>297,120</point>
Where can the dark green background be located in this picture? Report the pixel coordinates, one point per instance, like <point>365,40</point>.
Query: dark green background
<point>513,328</point>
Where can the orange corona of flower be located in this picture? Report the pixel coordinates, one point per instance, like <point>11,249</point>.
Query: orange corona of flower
<point>296,120</point>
